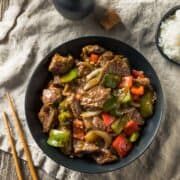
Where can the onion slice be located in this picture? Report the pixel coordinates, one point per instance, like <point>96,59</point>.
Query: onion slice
<point>88,114</point>
<point>93,135</point>
<point>93,74</point>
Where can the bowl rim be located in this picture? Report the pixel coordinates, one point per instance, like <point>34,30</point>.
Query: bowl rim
<point>169,13</point>
<point>161,119</point>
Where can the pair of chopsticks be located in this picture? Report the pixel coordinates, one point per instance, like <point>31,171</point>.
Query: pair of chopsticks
<point>20,132</point>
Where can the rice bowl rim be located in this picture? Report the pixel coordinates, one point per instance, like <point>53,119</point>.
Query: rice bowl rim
<point>169,13</point>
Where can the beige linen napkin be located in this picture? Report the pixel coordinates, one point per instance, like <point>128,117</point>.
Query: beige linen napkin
<point>31,29</point>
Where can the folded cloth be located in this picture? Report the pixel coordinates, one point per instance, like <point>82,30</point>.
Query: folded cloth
<point>31,29</point>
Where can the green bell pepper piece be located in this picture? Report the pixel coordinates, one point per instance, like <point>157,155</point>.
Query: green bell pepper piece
<point>71,75</point>
<point>116,112</point>
<point>111,80</point>
<point>134,137</point>
<point>146,104</point>
<point>110,104</point>
<point>125,96</point>
<point>64,104</point>
<point>117,126</point>
<point>64,117</point>
<point>58,138</point>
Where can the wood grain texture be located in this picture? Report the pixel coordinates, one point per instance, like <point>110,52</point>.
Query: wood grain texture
<point>8,172</point>
<point>13,148</point>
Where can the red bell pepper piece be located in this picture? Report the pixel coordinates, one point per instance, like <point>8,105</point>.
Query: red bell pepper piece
<point>139,91</point>
<point>136,73</point>
<point>131,127</point>
<point>122,145</point>
<point>107,119</point>
<point>94,58</point>
<point>127,81</point>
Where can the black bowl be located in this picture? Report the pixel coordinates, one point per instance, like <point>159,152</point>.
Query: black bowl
<point>40,79</point>
<point>166,16</point>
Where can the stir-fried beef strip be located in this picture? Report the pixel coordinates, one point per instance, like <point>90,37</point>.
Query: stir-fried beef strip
<point>88,125</point>
<point>105,156</point>
<point>97,123</point>
<point>55,82</point>
<point>84,68</point>
<point>95,97</point>
<point>60,64</point>
<point>48,117</point>
<point>91,49</point>
<point>105,57</point>
<point>78,129</point>
<point>87,50</point>
<point>132,113</point>
<point>82,147</point>
<point>75,107</point>
<point>118,66</point>
<point>51,95</point>
<point>136,116</point>
<point>68,90</point>
<point>142,81</point>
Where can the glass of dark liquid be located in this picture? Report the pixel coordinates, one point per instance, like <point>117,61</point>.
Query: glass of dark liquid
<point>74,9</point>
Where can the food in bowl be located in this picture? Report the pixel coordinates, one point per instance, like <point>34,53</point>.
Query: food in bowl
<point>169,38</point>
<point>96,105</point>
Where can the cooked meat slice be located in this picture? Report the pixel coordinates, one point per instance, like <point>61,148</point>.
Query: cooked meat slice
<point>65,103</point>
<point>98,123</point>
<point>48,117</point>
<point>78,146</point>
<point>133,114</point>
<point>60,64</point>
<point>118,65</point>
<point>78,129</point>
<point>75,107</point>
<point>68,90</point>
<point>90,147</point>
<point>79,91</point>
<point>82,147</point>
<point>105,57</point>
<point>87,50</point>
<point>105,156</point>
<point>55,82</point>
<point>88,123</point>
<point>84,68</point>
<point>144,81</point>
<point>137,116</point>
<point>95,97</point>
<point>51,95</point>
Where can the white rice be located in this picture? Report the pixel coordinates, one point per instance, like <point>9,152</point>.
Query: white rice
<point>169,38</point>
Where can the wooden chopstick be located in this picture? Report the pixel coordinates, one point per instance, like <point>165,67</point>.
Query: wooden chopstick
<point>11,142</point>
<point>3,6</point>
<point>1,9</point>
<point>21,135</point>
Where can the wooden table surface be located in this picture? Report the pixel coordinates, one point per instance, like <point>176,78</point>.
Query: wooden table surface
<point>8,172</point>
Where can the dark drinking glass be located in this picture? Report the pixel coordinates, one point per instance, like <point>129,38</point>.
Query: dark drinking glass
<point>74,9</point>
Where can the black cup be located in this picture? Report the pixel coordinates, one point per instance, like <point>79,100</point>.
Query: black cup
<point>74,9</point>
